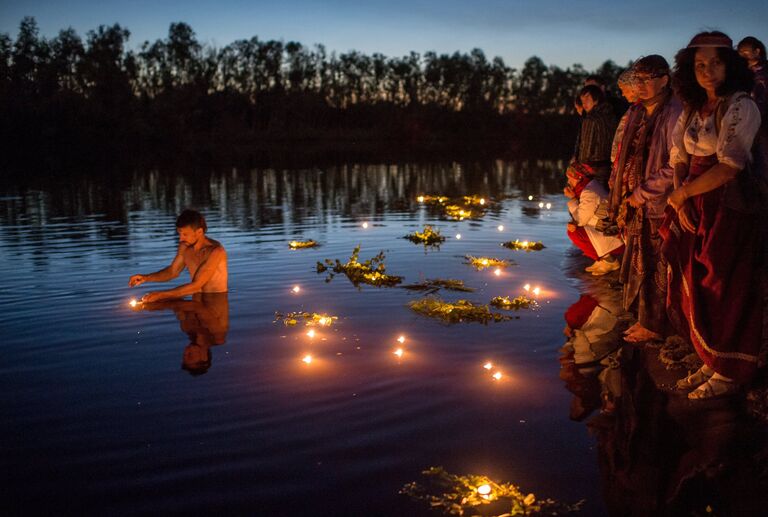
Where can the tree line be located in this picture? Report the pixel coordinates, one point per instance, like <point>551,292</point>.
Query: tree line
<point>73,93</point>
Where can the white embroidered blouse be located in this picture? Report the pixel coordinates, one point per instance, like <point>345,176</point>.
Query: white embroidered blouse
<point>732,144</point>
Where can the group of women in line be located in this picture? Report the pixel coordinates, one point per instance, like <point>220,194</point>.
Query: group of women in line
<point>674,197</point>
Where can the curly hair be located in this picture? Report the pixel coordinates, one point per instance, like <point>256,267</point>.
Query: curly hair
<point>738,76</point>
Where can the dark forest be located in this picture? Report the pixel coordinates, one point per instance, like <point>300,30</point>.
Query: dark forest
<point>69,97</point>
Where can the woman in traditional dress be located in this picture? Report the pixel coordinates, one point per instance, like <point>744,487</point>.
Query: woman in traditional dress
<point>712,240</point>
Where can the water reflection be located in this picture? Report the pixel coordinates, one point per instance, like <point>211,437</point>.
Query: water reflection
<point>259,197</point>
<point>658,453</point>
<point>205,321</point>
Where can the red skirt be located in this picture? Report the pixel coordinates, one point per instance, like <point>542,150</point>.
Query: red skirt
<point>715,281</point>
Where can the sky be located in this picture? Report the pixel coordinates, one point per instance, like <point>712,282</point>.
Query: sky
<point>560,32</point>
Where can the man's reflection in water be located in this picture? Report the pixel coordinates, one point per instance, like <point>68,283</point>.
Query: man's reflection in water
<point>205,321</point>
<point>659,455</point>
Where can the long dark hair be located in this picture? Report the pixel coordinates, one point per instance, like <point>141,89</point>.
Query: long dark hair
<point>738,76</point>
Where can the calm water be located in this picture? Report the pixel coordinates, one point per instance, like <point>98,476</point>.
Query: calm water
<point>98,414</point>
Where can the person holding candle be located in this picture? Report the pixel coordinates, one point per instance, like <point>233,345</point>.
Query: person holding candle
<point>204,258</point>
<point>713,237</point>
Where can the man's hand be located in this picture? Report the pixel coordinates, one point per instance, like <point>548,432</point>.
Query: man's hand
<point>153,297</point>
<point>568,191</point>
<point>137,280</point>
<point>687,217</point>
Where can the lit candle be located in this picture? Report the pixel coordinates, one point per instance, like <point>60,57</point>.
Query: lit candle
<point>421,199</point>
<point>399,353</point>
<point>458,236</point>
<point>541,205</point>
<point>323,321</point>
<point>527,287</point>
<point>497,272</point>
<point>549,205</point>
<point>488,365</point>
<point>365,225</point>
<point>536,291</point>
<point>401,339</point>
<point>133,302</point>
<point>497,376</point>
<point>530,198</point>
<point>484,490</point>
<point>524,244</point>
<point>307,359</point>
<point>484,262</point>
<point>296,289</point>
<point>311,333</point>
<point>482,201</point>
<point>500,227</point>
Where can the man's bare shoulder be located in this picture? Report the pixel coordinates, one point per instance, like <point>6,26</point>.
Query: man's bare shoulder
<point>214,244</point>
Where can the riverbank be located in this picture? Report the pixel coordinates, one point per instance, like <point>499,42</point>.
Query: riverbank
<point>660,453</point>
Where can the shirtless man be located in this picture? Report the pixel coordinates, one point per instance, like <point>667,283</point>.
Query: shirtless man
<point>205,259</point>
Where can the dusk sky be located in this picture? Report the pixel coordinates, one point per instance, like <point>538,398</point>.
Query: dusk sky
<point>560,32</point>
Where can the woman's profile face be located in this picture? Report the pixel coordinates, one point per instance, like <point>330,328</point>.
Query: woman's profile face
<point>709,68</point>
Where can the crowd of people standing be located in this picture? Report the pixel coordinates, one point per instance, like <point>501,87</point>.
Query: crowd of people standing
<point>672,194</point>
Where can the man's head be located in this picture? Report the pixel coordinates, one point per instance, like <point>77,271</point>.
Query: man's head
<point>652,76</point>
<point>628,85</point>
<point>595,80</point>
<point>190,226</point>
<point>591,95</point>
<point>196,359</point>
<point>751,49</point>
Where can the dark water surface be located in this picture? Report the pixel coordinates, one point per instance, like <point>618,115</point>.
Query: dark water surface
<point>99,417</point>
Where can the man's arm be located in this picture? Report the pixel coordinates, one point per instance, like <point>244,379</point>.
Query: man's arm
<point>165,274</point>
<point>202,276</point>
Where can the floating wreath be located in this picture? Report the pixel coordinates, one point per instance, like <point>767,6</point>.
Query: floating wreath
<point>481,263</point>
<point>455,312</point>
<point>432,285</point>
<point>295,245</point>
<point>460,495</point>
<point>523,245</point>
<point>428,237</point>
<point>310,319</point>
<point>514,304</point>
<point>372,271</point>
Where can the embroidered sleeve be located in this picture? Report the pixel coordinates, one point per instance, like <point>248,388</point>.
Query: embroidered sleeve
<point>678,153</point>
<point>737,132</point>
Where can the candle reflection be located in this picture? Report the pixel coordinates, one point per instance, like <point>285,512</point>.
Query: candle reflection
<point>307,359</point>
<point>497,376</point>
<point>296,289</point>
<point>488,365</point>
<point>399,353</point>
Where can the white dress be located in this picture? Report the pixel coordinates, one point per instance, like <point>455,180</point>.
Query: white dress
<point>731,145</point>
